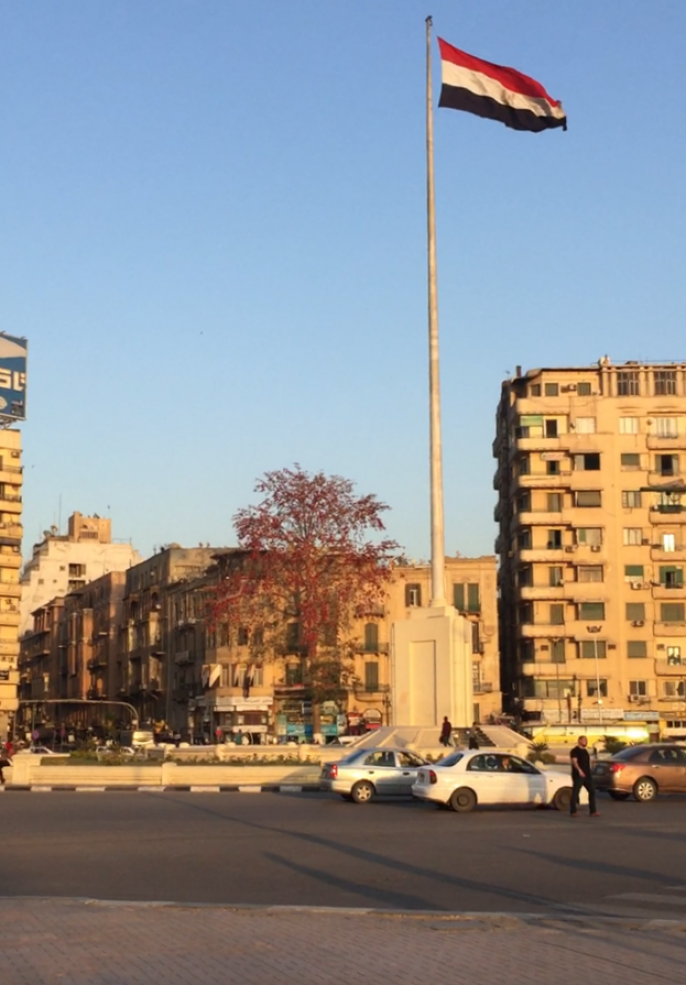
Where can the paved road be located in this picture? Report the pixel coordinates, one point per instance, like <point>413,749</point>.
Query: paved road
<point>317,850</point>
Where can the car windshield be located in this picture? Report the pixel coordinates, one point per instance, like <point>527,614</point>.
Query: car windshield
<point>631,752</point>
<point>451,759</point>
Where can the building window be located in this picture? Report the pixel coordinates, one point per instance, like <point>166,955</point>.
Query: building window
<point>535,390</point>
<point>524,539</point>
<point>628,383</point>
<point>551,428</point>
<point>371,637</point>
<point>631,536</point>
<point>585,425</point>
<point>636,649</point>
<point>633,573</point>
<point>664,381</point>
<point>669,502</point>
<point>591,610</point>
<point>667,464</point>
<point>590,572</point>
<point>525,578</point>
<point>596,688</point>
<point>552,389</point>
<point>587,462</point>
<point>591,536</point>
<point>638,689</point>
<point>524,465</point>
<point>674,689</point>
<point>555,577</point>
<point>294,675</point>
<point>293,636</point>
<point>242,636</point>
<point>371,676</point>
<point>672,612</point>
<point>77,570</point>
<point>668,543</point>
<point>557,651</point>
<point>667,427</point>
<point>554,541</point>
<point>635,611</point>
<point>476,638</point>
<point>476,676</point>
<point>413,596</point>
<point>473,603</point>
<point>552,468</point>
<point>554,502</point>
<point>590,649</point>
<point>628,425</point>
<point>671,576</point>
<point>674,656</point>
<point>630,460</point>
<point>557,614</point>
<point>631,498</point>
<point>588,497</point>
<point>583,389</point>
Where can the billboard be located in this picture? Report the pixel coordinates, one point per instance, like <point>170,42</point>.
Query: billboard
<point>12,377</point>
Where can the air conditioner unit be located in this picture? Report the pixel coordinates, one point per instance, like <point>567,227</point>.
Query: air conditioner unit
<point>645,541</point>
<point>595,547</point>
<point>638,623</point>
<point>633,698</point>
<point>635,585</point>
<point>569,550</point>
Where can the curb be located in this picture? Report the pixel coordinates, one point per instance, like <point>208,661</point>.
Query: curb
<point>175,788</point>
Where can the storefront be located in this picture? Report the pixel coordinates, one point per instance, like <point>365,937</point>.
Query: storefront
<point>231,717</point>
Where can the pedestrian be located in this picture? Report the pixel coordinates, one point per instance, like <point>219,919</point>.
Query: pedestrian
<point>582,777</point>
<point>446,732</point>
<point>5,760</point>
<point>473,737</point>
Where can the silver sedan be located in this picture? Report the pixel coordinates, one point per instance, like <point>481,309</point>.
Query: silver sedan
<point>369,773</point>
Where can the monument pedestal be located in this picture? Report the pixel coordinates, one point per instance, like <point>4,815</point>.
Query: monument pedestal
<point>431,668</point>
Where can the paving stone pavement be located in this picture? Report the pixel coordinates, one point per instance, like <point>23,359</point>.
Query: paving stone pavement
<point>82,942</point>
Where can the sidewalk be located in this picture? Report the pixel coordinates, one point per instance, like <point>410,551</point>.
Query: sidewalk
<point>79,942</point>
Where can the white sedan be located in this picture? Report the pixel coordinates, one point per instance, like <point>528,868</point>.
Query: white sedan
<point>464,779</point>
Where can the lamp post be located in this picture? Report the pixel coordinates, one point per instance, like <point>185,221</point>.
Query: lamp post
<point>596,629</point>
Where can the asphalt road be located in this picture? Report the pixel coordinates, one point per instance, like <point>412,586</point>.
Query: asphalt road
<point>317,850</point>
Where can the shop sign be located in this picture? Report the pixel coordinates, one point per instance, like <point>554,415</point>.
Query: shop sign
<point>641,716</point>
<point>590,715</point>
<point>329,728</point>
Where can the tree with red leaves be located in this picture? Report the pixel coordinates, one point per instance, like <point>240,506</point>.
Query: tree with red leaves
<point>307,567</point>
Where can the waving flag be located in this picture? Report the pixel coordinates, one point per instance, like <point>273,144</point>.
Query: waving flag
<point>496,92</point>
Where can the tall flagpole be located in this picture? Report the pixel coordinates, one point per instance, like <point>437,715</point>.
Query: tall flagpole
<point>437,521</point>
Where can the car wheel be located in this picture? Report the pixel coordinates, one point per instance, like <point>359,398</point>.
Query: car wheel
<point>562,799</point>
<point>618,795</point>
<point>645,789</point>
<point>463,800</point>
<point>362,792</point>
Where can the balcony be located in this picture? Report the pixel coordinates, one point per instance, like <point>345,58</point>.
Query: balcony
<point>483,687</point>
<point>663,668</point>
<point>666,482</point>
<point>669,593</point>
<point>542,555</point>
<point>542,480</point>
<point>540,630</point>
<point>373,650</point>
<point>10,590</point>
<point>666,445</point>
<point>541,443</point>
<point>658,553</point>
<point>669,628</point>
<point>542,593</point>
<point>667,514</point>
<point>530,518</point>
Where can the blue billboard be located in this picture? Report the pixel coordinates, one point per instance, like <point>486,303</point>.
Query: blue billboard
<point>13,377</point>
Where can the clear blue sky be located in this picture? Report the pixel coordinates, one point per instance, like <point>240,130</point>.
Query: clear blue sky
<point>213,234</point>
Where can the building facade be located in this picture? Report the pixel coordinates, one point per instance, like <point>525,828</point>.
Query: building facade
<point>11,478</point>
<point>591,482</point>
<point>64,563</point>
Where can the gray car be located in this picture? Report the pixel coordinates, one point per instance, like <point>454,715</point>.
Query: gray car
<point>369,773</point>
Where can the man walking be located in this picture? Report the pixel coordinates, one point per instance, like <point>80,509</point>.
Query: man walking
<point>446,732</point>
<point>581,777</point>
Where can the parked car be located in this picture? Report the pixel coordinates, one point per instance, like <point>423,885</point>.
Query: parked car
<point>643,771</point>
<point>369,773</point>
<point>466,778</point>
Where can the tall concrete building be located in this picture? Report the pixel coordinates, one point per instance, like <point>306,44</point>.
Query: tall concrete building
<point>64,563</point>
<point>10,563</point>
<point>591,482</point>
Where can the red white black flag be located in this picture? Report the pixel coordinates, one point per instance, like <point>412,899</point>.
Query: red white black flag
<point>496,92</point>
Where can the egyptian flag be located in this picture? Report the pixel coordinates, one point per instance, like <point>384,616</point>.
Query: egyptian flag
<point>496,92</point>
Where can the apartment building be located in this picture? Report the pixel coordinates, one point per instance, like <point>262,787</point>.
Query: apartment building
<point>10,563</point>
<point>64,563</point>
<point>591,482</point>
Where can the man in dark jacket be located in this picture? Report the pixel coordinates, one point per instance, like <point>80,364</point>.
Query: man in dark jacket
<point>446,732</point>
<point>582,777</point>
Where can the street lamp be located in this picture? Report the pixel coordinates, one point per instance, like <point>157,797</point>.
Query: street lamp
<point>596,629</point>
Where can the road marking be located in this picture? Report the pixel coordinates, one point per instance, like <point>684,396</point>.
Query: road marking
<point>151,789</point>
<point>649,898</point>
<point>205,789</point>
<point>41,789</point>
<point>89,789</point>
<point>250,789</point>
